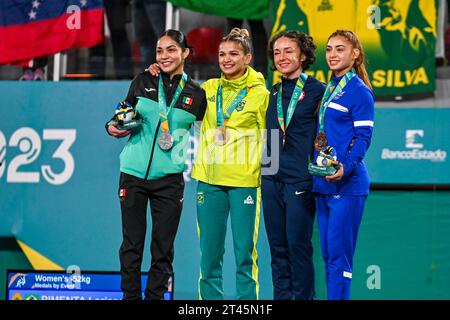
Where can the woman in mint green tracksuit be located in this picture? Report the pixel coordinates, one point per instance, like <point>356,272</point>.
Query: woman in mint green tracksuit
<point>151,167</point>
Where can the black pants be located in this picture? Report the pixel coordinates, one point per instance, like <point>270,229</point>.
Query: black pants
<point>166,202</point>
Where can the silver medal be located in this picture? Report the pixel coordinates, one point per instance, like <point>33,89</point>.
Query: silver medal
<point>165,141</point>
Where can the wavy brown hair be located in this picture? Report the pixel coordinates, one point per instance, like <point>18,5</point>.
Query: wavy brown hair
<point>304,42</point>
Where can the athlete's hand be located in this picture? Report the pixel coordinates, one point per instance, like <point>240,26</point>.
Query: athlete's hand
<point>117,133</point>
<point>339,173</point>
<point>154,69</point>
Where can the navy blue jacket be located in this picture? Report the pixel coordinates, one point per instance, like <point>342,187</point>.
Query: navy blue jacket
<point>300,134</point>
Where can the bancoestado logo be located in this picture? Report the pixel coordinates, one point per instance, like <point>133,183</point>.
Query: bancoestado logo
<point>415,149</point>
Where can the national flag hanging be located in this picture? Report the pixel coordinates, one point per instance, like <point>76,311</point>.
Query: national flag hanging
<point>35,28</point>
<point>237,9</point>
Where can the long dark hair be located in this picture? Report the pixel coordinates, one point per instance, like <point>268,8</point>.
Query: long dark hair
<point>177,36</point>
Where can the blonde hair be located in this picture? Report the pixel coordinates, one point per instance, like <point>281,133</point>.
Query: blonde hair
<point>360,62</point>
<point>240,36</point>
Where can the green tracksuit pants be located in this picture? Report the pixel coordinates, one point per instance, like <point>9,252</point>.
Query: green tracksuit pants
<point>214,203</point>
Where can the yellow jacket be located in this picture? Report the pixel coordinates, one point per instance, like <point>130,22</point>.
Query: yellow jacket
<point>238,162</point>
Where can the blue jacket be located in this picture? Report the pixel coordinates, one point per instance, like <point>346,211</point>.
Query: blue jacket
<point>348,127</point>
<point>300,134</point>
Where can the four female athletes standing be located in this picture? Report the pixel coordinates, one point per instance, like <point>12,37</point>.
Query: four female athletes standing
<point>228,164</point>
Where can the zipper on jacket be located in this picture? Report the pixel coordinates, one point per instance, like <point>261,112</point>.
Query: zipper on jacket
<point>153,150</point>
<point>212,167</point>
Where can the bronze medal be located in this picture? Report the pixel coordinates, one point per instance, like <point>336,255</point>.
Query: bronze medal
<point>321,141</point>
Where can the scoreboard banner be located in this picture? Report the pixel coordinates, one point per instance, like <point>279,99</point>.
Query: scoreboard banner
<point>53,285</point>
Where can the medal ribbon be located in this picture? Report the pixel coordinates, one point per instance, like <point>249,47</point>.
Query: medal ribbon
<point>222,116</point>
<point>163,110</point>
<point>292,103</point>
<point>330,92</point>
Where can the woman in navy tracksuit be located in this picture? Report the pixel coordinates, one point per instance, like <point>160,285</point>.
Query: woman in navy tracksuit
<point>346,120</point>
<point>288,202</point>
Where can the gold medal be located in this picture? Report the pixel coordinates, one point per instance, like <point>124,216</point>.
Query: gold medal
<point>221,136</point>
<point>321,141</point>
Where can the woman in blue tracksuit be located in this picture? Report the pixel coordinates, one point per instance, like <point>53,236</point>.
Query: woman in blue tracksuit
<point>345,123</point>
<point>288,202</point>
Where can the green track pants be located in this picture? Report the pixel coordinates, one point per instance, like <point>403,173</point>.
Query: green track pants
<point>214,203</point>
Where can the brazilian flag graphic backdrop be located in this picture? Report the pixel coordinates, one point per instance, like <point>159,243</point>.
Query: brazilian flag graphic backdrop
<point>398,37</point>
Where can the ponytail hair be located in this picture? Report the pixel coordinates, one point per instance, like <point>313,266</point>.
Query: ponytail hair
<point>177,36</point>
<point>360,62</point>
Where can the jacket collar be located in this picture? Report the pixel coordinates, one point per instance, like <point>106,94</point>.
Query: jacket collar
<point>238,83</point>
<point>166,79</point>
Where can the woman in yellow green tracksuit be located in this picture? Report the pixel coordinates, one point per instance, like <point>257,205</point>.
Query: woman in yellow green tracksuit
<point>227,168</point>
